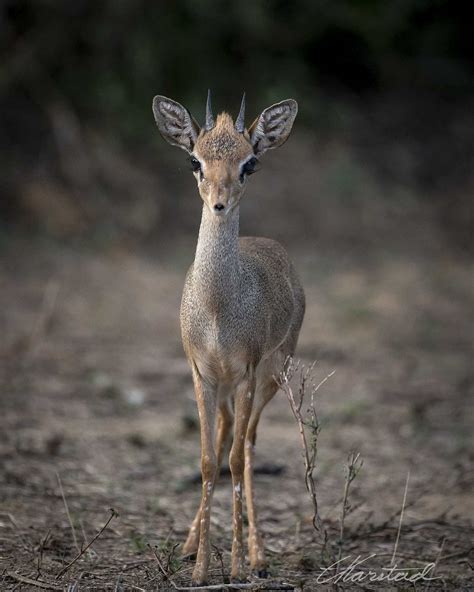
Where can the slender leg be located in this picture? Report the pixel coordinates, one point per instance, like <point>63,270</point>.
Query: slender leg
<point>243,407</point>
<point>206,396</point>
<point>225,420</point>
<point>256,548</point>
<point>224,423</point>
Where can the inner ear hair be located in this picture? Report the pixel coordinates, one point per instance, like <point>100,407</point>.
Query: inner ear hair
<point>175,123</point>
<point>273,127</point>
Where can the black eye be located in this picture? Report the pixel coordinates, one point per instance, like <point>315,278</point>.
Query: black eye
<point>248,168</point>
<point>195,164</point>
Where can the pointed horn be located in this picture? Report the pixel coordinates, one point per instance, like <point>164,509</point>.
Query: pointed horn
<point>240,121</point>
<point>209,117</point>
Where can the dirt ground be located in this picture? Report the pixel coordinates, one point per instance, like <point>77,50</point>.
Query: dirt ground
<point>97,398</point>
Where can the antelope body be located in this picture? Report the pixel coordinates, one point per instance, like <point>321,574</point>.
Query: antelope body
<point>241,312</point>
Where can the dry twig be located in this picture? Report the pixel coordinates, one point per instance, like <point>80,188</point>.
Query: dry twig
<point>113,514</point>
<point>255,586</point>
<point>219,557</point>
<point>42,544</point>
<point>73,530</point>
<point>310,448</point>
<point>354,465</point>
<point>32,582</point>
<point>401,519</point>
<point>437,560</point>
<point>457,554</point>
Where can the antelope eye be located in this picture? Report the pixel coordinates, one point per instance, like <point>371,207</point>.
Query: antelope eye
<point>248,168</point>
<point>195,164</point>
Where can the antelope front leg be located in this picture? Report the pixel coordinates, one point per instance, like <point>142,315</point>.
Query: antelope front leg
<point>243,407</point>
<point>265,393</point>
<point>258,563</point>
<point>224,423</point>
<point>256,548</point>
<point>206,396</point>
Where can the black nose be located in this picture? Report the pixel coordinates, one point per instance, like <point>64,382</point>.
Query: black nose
<point>219,207</point>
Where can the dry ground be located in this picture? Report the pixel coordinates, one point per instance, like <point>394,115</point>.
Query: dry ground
<point>96,390</point>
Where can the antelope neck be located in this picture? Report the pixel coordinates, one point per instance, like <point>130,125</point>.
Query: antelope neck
<point>216,270</point>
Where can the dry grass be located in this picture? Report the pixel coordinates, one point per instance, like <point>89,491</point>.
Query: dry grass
<point>105,401</point>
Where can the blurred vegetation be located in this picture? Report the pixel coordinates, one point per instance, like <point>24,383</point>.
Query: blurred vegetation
<point>77,79</point>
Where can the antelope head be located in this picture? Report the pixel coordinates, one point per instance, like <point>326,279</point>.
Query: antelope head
<point>223,153</point>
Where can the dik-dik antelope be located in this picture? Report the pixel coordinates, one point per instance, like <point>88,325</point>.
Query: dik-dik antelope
<point>241,311</point>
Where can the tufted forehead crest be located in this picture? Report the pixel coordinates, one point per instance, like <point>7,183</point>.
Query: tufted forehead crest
<point>223,141</point>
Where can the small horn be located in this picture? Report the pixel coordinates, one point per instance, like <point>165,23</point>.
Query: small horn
<point>209,117</point>
<point>240,121</point>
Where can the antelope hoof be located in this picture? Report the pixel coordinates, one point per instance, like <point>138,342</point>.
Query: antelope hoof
<point>237,573</point>
<point>260,572</point>
<point>198,578</point>
<point>241,579</point>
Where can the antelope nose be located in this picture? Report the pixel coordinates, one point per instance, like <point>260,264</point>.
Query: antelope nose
<point>219,206</point>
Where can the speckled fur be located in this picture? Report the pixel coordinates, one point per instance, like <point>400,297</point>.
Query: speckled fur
<point>241,301</point>
<point>222,142</point>
<point>242,298</point>
<point>241,313</point>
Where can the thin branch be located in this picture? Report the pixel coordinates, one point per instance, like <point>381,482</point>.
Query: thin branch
<point>254,586</point>
<point>73,530</point>
<point>457,554</point>
<point>166,575</point>
<point>310,449</point>
<point>113,514</point>
<point>354,465</point>
<point>10,518</point>
<point>435,565</point>
<point>219,557</point>
<point>31,582</point>
<point>401,519</point>
<point>118,587</point>
<point>247,586</point>
<point>42,544</point>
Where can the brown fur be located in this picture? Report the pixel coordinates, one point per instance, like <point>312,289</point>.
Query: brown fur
<point>223,143</point>
<point>241,313</point>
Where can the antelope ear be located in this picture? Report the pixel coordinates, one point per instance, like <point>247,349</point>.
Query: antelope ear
<point>175,123</point>
<point>273,127</point>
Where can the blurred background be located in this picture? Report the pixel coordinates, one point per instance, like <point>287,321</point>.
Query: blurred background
<point>372,196</point>
<point>382,149</point>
